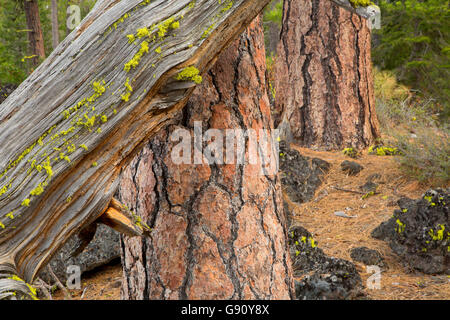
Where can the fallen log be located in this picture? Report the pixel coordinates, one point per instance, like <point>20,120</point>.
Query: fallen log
<point>70,127</point>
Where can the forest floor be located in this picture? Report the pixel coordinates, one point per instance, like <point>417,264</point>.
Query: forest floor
<point>335,235</point>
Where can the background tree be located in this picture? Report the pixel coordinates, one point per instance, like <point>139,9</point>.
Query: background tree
<point>55,25</point>
<point>272,26</point>
<point>13,42</point>
<point>324,86</point>
<point>218,230</point>
<point>414,42</point>
<point>15,64</point>
<point>35,36</point>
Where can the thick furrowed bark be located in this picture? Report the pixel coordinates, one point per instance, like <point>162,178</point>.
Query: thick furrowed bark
<point>218,229</point>
<point>59,166</point>
<point>324,88</point>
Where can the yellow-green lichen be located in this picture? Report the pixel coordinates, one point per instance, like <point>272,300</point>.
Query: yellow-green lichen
<point>401,226</point>
<point>351,152</point>
<point>32,293</point>
<point>143,32</point>
<point>125,97</point>
<point>439,235</point>
<point>140,223</point>
<point>133,63</point>
<point>227,7</point>
<point>190,74</point>
<point>131,38</point>
<point>384,151</point>
<point>367,195</point>
<point>360,3</point>
<point>208,31</point>
<point>38,190</point>
<point>164,26</point>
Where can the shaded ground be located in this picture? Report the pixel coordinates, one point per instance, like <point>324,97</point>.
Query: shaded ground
<point>336,235</point>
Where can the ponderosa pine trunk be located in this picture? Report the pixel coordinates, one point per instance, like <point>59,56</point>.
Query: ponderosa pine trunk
<point>324,86</point>
<point>218,230</point>
<point>35,36</point>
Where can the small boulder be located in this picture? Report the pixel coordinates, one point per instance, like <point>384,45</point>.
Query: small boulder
<point>324,277</point>
<point>351,167</point>
<point>337,280</point>
<point>374,177</point>
<point>369,187</point>
<point>300,176</point>
<point>367,256</point>
<point>103,249</point>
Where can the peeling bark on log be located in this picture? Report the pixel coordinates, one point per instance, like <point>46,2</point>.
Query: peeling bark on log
<point>324,86</point>
<point>61,155</point>
<point>218,230</point>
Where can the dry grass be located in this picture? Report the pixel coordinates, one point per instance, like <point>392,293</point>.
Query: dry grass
<point>337,235</point>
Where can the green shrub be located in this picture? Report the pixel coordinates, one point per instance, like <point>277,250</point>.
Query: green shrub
<point>351,152</point>
<point>414,42</point>
<point>397,105</point>
<point>426,157</point>
<point>412,130</point>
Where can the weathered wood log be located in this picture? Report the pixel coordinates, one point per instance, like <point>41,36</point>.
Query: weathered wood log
<point>66,132</point>
<point>69,128</point>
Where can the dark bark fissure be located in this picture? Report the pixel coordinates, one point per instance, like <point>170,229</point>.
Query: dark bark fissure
<point>332,130</point>
<point>285,29</point>
<point>312,104</point>
<point>360,124</point>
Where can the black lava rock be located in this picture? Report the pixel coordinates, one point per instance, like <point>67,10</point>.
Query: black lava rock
<point>301,176</point>
<point>324,277</point>
<point>367,256</point>
<point>104,248</point>
<point>351,167</point>
<point>419,232</point>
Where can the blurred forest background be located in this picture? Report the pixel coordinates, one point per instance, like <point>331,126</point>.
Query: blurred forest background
<point>410,53</point>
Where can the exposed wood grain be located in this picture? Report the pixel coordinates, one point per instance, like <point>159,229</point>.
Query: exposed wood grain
<point>71,126</point>
<point>58,170</point>
<point>121,222</point>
